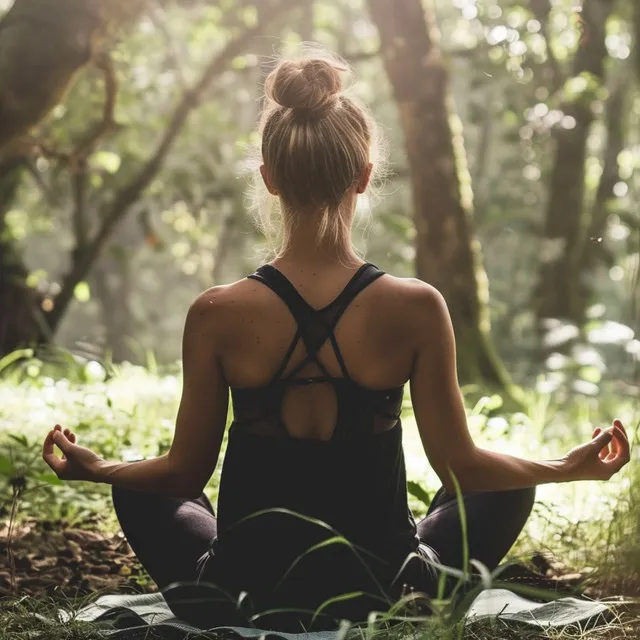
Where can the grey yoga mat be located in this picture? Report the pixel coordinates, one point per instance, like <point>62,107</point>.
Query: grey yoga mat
<point>139,615</point>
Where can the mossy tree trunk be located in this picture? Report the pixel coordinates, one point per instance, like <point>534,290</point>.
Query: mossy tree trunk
<point>448,253</point>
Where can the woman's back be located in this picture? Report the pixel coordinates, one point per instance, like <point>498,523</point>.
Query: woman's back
<point>374,336</point>
<point>315,450</point>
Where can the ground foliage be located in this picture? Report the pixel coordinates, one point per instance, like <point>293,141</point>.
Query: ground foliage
<point>65,543</point>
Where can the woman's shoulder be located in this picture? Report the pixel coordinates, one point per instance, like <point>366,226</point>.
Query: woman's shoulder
<point>414,307</point>
<point>412,291</point>
<point>226,297</point>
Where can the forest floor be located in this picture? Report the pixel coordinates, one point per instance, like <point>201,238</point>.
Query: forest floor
<point>66,548</point>
<point>69,564</point>
<point>47,558</point>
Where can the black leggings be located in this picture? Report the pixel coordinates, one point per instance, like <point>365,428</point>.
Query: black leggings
<point>171,536</point>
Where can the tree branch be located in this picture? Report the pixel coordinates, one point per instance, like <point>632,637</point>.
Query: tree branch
<point>43,45</point>
<point>32,170</point>
<point>88,143</point>
<point>78,158</point>
<point>79,188</point>
<point>91,140</point>
<point>131,192</point>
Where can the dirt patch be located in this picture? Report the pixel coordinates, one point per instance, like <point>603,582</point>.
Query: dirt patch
<point>46,558</point>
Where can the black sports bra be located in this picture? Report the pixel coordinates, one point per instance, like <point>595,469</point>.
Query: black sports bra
<point>360,411</point>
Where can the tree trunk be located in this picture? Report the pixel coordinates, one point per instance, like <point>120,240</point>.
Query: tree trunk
<point>593,252</point>
<point>448,254</point>
<point>636,36</point>
<point>224,244</point>
<point>556,294</point>
<point>307,21</point>
<point>21,322</point>
<point>42,46</point>
<point>113,281</point>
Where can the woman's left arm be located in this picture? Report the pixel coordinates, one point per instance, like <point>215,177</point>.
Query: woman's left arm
<point>187,467</point>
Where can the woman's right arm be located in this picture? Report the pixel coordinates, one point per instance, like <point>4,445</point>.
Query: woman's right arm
<point>442,422</point>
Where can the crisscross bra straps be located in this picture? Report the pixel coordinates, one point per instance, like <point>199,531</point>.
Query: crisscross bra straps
<point>314,326</point>
<point>258,409</point>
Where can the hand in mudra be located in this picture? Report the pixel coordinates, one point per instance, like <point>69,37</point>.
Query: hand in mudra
<point>604,455</point>
<point>77,463</point>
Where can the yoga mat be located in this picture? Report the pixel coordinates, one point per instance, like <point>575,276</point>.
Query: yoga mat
<point>133,617</point>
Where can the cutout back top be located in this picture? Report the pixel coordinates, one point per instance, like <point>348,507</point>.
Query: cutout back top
<point>358,412</point>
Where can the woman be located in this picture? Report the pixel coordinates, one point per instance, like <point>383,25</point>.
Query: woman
<point>316,348</point>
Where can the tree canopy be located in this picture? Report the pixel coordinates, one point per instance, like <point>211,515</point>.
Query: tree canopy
<point>513,138</point>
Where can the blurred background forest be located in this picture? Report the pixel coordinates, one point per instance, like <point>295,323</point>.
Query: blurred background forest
<point>129,198</point>
<point>513,186</point>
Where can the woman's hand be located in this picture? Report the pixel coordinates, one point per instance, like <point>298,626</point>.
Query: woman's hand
<point>77,463</point>
<point>599,459</point>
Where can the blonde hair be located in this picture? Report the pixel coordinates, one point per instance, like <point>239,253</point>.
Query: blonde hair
<point>316,142</point>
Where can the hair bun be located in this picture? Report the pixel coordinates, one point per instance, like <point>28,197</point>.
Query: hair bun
<point>308,86</point>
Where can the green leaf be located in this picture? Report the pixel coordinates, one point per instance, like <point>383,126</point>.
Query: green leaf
<point>239,63</point>
<point>22,440</point>
<point>107,160</point>
<point>418,491</point>
<point>50,478</point>
<point>33,370</point>
<point>6,466</point>
<point>14,356</point>
<point>345,597</point>
<point>82,292</point>
<point>591,374</point>
<point>250,17</point>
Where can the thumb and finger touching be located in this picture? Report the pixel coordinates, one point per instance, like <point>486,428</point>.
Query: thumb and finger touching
<point>605,450</point>
<point>65,441</point>
<point>48,454</point>
<point>616,452</point>
<point>602,440</point>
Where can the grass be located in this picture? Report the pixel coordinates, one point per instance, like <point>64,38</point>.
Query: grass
<point>39,620</point>
<point>131,414</point>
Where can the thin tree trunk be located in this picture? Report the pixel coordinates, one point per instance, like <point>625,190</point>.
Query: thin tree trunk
<point>448,254</point>
<point>307,22</point>
<point>593,252</point>
<point>636,36</point>
<point>112,278</point>
<point>552,70</point>
<point>555,295</point>
<point>224,244</point>
<point>21,322</point>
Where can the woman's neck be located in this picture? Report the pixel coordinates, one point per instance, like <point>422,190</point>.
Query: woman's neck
<point>304,249</point>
